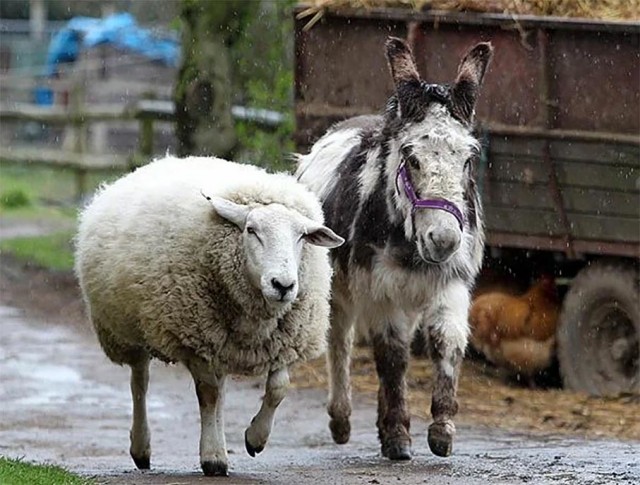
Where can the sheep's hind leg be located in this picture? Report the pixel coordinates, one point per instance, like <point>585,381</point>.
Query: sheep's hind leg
<point>140,435</point>
<point>448,335</point>
<point>213,449</point>
<point>391,353</point>
<point>257,434</point>
<point>338,362</point>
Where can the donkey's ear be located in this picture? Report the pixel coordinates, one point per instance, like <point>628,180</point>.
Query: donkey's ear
<point>401,63</point>
<point>469,80</point>
<point>404,73</point>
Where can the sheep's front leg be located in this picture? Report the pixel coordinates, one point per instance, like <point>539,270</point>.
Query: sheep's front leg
<point>213,449</point>
<point>338,362</point>
<point>391,353</point>
<point>448,335</point>
<point>139,435</point>
<point>257,434</point>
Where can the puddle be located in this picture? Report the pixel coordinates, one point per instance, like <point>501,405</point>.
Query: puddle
<point>34,376</point>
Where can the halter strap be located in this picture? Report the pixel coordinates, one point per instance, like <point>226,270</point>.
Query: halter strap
<point>440,204</point>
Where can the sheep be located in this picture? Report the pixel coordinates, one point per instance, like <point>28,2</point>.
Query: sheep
<point>219,266</point>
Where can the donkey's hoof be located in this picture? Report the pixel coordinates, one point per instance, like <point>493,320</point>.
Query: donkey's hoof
<point>441,438</point>
<point>142,462</point>
<point>399,449</point>
<point>340,430</point>
<point>215,468</point>
<point>252,450</point>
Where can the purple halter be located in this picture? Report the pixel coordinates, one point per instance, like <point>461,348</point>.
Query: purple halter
<point>441,204</point>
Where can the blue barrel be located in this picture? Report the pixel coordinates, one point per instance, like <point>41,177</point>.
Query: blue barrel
<point>43,96</point>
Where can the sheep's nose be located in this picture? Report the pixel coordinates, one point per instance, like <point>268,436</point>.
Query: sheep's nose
<point>282,287</point>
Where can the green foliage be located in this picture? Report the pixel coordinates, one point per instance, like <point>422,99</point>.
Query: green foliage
<point>14,199</point>
<point>52,251</point>
<point>269,149</point>
<point>263,75</point>
<point>18,472</point>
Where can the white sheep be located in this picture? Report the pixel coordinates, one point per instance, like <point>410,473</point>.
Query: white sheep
<point>213,264</point>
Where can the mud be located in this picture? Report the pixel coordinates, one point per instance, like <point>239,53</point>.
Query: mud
<point>63,402</point>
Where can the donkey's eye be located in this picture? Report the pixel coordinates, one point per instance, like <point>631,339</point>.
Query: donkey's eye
<point>414,162</point>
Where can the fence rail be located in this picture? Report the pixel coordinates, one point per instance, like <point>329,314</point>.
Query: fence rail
<point>146,112</point>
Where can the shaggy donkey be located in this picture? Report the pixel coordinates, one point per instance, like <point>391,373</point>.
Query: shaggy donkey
<point>399,188</point>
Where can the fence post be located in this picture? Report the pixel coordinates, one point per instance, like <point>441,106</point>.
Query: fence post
<point>146,137</point>
<point>80,133</point>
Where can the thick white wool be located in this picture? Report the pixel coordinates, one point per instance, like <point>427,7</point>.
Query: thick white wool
<point>162,273</point>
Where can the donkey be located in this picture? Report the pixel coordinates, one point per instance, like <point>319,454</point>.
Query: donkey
<point>399,187</point>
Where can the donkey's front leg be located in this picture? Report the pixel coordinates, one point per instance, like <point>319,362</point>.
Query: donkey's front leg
<point>213,449</point>
<point>448,335</point>
<point>257,434</point>
<point>391,353</point>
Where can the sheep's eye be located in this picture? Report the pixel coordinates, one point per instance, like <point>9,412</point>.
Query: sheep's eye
<point>414,162</point>
<point>252,231</point>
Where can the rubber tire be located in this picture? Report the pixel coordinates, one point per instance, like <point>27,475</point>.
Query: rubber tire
<point>584,347</point>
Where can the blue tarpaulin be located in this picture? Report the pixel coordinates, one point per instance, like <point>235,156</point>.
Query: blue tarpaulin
<point>119,30</point>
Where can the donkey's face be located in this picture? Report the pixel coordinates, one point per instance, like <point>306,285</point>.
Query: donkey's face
<point>433,147</point>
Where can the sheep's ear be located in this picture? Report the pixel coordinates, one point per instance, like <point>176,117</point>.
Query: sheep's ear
<point>236,213</point>
<point>320,235</point>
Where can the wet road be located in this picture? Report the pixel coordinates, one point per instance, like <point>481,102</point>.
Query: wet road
<point>62,401</point>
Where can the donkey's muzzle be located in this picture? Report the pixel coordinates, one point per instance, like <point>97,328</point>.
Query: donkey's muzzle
<point>439,244</point>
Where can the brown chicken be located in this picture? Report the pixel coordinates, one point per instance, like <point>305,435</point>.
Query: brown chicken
<point>517,332</point>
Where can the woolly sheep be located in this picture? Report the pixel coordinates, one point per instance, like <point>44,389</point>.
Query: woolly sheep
<point>216,265</point>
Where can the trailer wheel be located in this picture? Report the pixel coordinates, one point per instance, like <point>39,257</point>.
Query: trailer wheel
<point>599,331</point>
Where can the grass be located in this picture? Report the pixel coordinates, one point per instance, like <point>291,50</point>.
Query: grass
<point>18,472</point>
<point>45,197</point>
<point>53,251</point>
<point>45,185</point>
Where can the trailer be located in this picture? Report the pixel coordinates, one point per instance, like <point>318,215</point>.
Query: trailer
<point>559,175</point>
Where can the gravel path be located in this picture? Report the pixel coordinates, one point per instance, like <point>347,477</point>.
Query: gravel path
<point>62,401</point>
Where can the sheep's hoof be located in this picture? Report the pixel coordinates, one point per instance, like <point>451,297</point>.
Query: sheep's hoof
<point>142,462</point>
<point>215,468</point>
<point>340,430</point>
<point>253,451</point>
<point>441,438</point>
<point>398,449</point>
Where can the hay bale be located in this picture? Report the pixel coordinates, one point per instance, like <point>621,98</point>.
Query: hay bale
<point>589,9</point>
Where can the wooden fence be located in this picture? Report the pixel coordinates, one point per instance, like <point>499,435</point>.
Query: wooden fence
<point>145,112</point>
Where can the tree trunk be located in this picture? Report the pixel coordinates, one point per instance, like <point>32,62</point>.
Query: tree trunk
<point>204,125</point>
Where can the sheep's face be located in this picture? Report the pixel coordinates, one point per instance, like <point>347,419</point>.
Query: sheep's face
<point>273,237</point>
